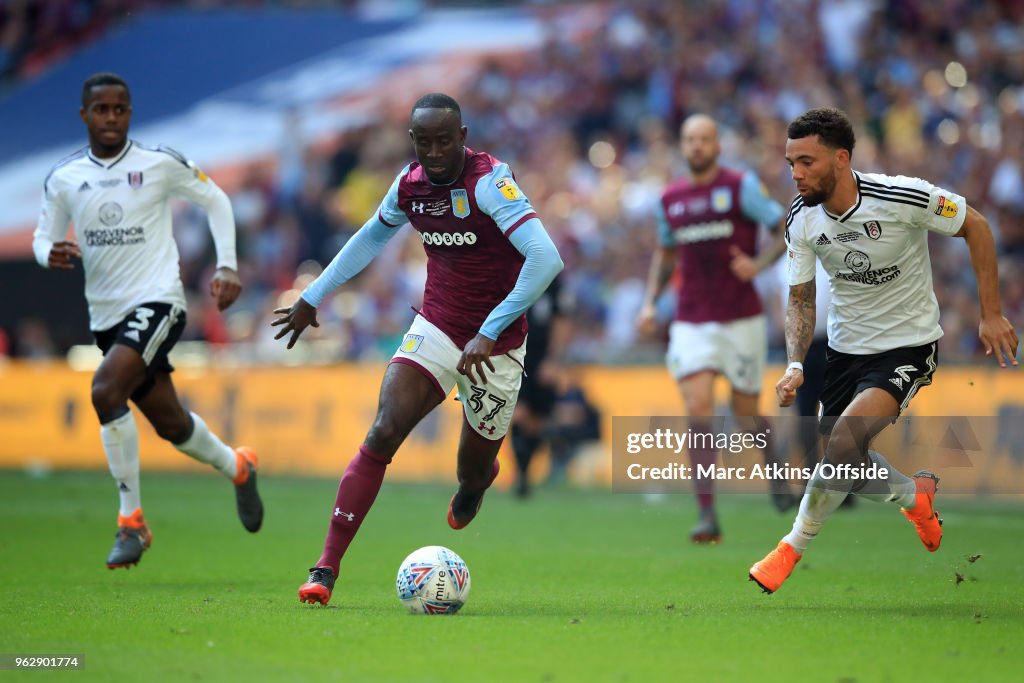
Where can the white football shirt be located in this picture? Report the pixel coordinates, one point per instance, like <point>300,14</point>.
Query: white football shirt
<point>876,257</point>
<point>122,222</point>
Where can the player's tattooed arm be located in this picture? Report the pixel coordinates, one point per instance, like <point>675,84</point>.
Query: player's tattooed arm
<point>800,316</point>
<point>799,333</point>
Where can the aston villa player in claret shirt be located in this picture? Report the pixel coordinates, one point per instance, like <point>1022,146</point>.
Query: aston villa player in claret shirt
<point>708,224</point>
<point>488,259</point>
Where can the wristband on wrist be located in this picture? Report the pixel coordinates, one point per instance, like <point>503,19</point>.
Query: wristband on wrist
<point>795,365</point>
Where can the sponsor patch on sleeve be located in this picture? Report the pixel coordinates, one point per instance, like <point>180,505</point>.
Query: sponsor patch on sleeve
<point>946,207</point>
<point>200,176</point>
<point>508,188</point>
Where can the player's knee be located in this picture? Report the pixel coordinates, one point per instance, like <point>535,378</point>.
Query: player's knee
<point>108,399</point>
<point>173,428</point>
<point>843,447</point>
<point>700,407</point>
<point>757,424</point>
<point>385,437</point>
<point>175,432</point>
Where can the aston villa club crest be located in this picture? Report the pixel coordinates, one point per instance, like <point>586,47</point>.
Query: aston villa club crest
<point>873,229</point>
<point>411,343</point>
<point>460,203</point>
<point>721,199</point>
<point>135,179</point>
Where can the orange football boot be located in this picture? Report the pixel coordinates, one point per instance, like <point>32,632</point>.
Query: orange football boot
<point>923,516</point>
<point>318,586</point>
<point>775,568</point>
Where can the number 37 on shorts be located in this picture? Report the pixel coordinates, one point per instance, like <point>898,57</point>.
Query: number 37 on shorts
<point>488,407</point>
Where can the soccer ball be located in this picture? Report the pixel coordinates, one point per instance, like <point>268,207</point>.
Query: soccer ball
<point>433,580</point>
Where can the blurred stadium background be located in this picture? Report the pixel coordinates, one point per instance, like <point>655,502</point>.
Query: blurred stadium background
<point>299,109</point>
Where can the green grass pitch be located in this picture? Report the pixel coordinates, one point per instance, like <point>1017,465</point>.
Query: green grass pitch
<point>569,586</point>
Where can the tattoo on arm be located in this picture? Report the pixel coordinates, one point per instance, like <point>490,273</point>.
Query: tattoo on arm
<point>800,316</point>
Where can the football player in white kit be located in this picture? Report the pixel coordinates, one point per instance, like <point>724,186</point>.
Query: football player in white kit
<point>870,231</point>
<point>115,192</point>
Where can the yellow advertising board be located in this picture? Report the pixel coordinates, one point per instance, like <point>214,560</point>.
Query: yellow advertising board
<point>311,420</point>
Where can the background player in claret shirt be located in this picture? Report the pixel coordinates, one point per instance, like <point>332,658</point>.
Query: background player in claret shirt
<point>870,232</point>
<point>115,192</point>
<point>708,223</point>
<point>488,259</point>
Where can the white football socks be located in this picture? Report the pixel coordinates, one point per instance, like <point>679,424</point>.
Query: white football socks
<point>205,447</point>
<point>121,444</point>
<point>896,488</point>
<point>821,498</point>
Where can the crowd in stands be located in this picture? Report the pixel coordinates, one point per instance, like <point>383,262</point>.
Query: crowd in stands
<point>34,33</point>
<point>935,88</point>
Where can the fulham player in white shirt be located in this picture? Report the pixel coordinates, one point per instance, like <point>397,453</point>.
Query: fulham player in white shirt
<point>870,232</point>
<point>115,193</point>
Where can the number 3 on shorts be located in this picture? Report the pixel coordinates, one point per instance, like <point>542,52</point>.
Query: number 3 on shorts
<point>142,316</point>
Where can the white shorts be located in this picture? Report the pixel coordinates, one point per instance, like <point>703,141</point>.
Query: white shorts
<point>737,349</point>
<point>488,407</point>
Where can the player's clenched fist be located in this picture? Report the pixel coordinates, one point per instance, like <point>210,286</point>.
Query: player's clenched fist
<point>787,386</point>
<point>62,253</point>
<point>646,321</point>
<point>225,287</point>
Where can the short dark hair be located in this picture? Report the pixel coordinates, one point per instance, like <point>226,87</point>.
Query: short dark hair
<point>437,100</point>
<point>101,79</point>
<point>831,125</point>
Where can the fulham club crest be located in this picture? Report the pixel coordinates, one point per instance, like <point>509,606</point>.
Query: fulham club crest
<point>873,229</point>
<point>135,179</point>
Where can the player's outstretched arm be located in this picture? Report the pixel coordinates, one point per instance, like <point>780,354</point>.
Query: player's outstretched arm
<point>995,331</point>
<point>541,266</point>
<point>357,253</point>
<point>800,317</point>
